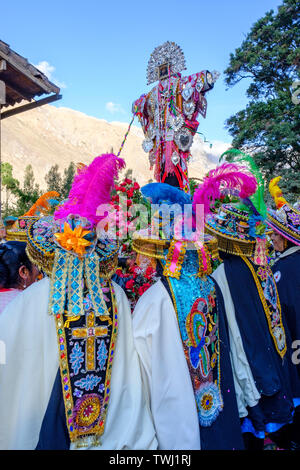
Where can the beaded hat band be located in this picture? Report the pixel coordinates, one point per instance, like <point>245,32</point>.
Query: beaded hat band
<point>156,248</point>
<point>286,219</point>
<point>232,245</point>
<point>19,230</point>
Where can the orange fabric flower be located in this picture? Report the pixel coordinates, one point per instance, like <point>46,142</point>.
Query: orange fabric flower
<point>73,239</point>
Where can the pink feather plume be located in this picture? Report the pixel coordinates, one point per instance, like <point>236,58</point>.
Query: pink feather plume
<point>91,187</point>
<point>228,175</point>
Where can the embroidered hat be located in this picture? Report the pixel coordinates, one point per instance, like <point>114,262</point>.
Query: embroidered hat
<point>18,230</point>
<point>286,219</point>
<point>72,228</point>
<point>238,226</point>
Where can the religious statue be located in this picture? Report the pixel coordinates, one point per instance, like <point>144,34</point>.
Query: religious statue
<point>168,113</point>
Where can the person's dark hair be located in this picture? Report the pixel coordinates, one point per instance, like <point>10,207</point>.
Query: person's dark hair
<point>12,257</point>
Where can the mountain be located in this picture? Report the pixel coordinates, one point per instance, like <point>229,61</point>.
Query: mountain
<point>48,135</point>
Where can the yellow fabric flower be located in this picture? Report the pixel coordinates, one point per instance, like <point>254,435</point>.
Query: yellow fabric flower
<point>72,240</point>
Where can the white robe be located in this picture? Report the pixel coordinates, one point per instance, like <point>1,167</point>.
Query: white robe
<point>245,388</point>
<point>165,371</point>
<point>31,365</point>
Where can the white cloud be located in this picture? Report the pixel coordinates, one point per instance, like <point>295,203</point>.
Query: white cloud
<point>114,108</point>
<point>48,70</point>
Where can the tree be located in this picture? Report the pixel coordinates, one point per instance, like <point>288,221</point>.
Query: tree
<point>53,179</point>
<point>29,193</point>
<point>67,181</point>
<point>10,184</point>
<point>269,126</point>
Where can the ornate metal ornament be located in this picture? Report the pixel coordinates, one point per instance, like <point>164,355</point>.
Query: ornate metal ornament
<point>188,108</point>
<point>199,85</point>
<point>147,145</point>
<point>176,122</point>
<point>187,91</point>
<point>183,139</point>
<point>166,59</point>
<point>175,158</point>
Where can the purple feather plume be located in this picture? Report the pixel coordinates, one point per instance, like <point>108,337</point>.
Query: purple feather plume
<point>91,187</point>
<point>229,176</point>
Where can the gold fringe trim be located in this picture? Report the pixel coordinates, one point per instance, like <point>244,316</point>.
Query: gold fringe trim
<point>232,245</point>
<point>265,306</point>
<point>169,260</point>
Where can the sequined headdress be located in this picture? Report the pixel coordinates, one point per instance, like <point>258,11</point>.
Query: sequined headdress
<point>239,226</point>
<point>286,219</point>
<point>18,230</point>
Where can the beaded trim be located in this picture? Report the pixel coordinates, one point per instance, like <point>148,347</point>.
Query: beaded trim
<point>207,268</point>
<point>154,248</point>
<point>85,411</point>
<point>230,244</point>
<point>41,251</point>
<point>16,235</point>
<point>174,259</point>
<point>263,275</point>
<point>283,228</point>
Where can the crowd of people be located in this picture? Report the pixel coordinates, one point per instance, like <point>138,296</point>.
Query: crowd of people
<point>207,358</point>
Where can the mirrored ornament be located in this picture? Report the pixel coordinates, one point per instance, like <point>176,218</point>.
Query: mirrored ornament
<point>147,145</point>
<point>215,75</point>
<point>187,91</point>
<point>176,123</point>
<point>199,85</point>
<point>209,78</point>
<point>183,139</point>
<point>202,105</point>
<point>188,108</point>
<point>175,158</point>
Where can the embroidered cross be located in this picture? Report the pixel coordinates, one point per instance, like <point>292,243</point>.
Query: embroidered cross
<point>90,333</point>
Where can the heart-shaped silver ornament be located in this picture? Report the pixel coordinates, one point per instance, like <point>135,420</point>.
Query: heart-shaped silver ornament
<point>199,85</point>
<point>147,145</point>
<point>187,92</point>
<point>188,108</point>
<point>175,158</point>
<point>176,122</point>
<point>183,139</point>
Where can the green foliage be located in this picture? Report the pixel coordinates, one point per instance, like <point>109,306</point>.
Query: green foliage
<point>10,184</point>
<point>193,185</point>
<point>53,179</point>
<point>61,184</point>
<point>28,194</point>
<point>18,199</point>
<point>67,181</point>
<point>269,126</point>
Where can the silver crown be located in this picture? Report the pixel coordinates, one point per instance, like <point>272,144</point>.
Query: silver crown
<point>169,55</point>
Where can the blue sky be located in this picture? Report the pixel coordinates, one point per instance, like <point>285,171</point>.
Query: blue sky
<point>98,51</point>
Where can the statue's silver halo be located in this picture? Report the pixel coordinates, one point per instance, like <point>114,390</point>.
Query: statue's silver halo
<point>168,53</point>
